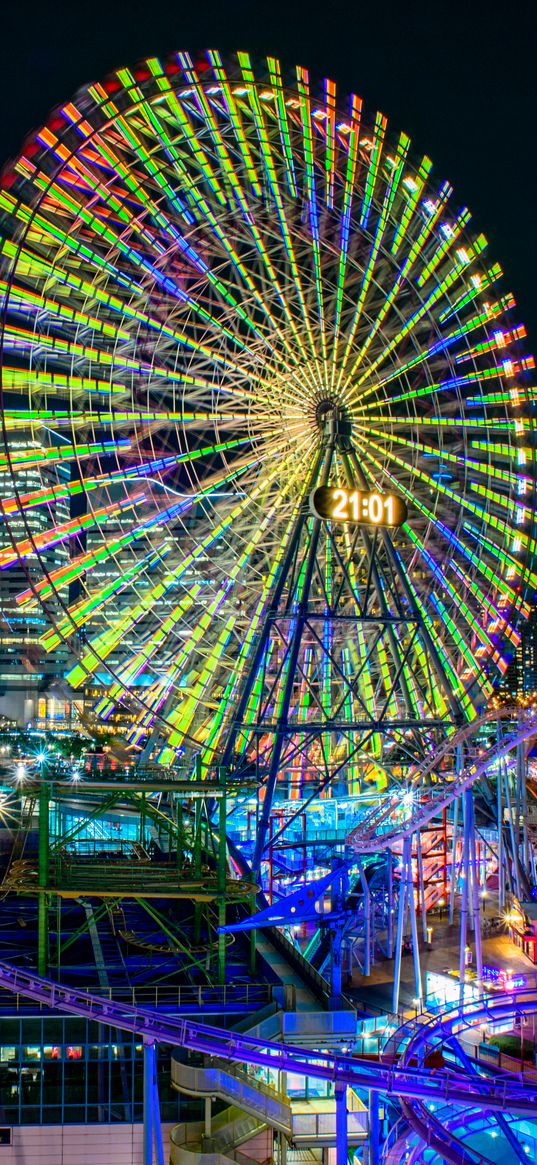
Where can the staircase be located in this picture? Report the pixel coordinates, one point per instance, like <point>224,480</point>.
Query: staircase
<point>231,1128</point>
<point>231,1083</point>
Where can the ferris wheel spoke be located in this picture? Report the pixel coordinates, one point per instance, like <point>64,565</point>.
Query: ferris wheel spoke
<point>472,422</point>
<point>415,185</point>
<point>388,198</point>
<point>473,667</point>
<point>79,613</point>
<point>439,292</point>
<point>479,282</point>
<point>41,228</point>
<point>159,638</point>
<point>311,195</point>
<point>81,564</point>
<point>233,108</point>
<point>453,383</point>
<point>282,102</point>
<point>452,233</point>
<point>62,351</point>
<point>402,275</point>
<point>439,574</point>
<point>139,661</point>
<point>181,720</point>
<point>353,131</point>
<point>274,186</point>
<point>476,322</point>
<point>502,587</point>
<point>447,657</point>
<point>492,472</point>
<point>480,511</point>
<point>149,419</point>
<point>375,148</point>
<point>27,300</point>
<point>140,265</point>
<point>29,303</point>
<point>465,257</point>
<point>137,472</point>
<point>64,532</point>
<point>31,458</point>
<point>104,643</point>
<point>245,207</point>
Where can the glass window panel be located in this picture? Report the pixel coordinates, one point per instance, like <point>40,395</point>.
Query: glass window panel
<point>97,1052</point>
<point>11,1030</point>
<point>32,1031</point>
<point>52,1114</point>
<point>32,1052</point>
<point>74,1114</point>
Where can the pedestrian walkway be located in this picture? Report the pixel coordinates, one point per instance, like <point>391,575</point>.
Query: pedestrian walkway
<point>442,954</point>
<point>304,998</point>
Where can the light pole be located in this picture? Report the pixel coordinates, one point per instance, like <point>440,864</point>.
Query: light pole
<point>43,863</point>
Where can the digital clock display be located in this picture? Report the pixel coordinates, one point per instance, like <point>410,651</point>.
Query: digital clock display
<point>354,505</point>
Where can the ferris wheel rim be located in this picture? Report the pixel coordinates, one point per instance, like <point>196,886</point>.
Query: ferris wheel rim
<point>430,519</point>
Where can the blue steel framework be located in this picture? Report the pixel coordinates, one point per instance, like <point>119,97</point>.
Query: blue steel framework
<point>382,603</point>
<point>380,829</point>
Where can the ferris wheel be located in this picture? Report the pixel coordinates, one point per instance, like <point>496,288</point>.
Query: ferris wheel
<point>222,289</point>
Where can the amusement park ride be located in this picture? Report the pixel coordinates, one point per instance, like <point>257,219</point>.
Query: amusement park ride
<point>268,472</point>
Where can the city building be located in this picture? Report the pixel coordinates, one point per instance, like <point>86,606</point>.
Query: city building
<point>528,656</point>
<point>27,673</point>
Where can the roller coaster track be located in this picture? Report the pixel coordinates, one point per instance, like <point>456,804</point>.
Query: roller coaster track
<point>438,1031</point>
<point>370,837</point>
<point>505,1094</point>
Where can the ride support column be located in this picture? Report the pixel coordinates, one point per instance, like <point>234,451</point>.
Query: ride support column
<point>342,1130</point>
<point>222,874</point>
<point>152,1127</point>
<point>43,864</point>
<point>374,1128</point>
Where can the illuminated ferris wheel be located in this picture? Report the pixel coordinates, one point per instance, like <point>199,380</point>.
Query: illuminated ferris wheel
<point>223,290</point>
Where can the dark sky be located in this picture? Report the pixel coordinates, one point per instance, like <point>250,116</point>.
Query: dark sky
<point>460,78</point>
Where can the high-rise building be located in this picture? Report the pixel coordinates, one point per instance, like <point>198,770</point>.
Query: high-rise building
<point>529,655</point>
<point>511,686</point>
<point>27,673</point>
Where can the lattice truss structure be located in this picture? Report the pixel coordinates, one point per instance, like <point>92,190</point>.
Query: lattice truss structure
<point>199,262</point>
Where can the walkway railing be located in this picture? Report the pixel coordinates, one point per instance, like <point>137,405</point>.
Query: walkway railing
<point>187,1141</point>
<point>203,998</point>
<point>232,1083</point>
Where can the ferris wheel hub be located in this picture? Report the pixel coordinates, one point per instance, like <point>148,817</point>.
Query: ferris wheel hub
<point>334,421</point>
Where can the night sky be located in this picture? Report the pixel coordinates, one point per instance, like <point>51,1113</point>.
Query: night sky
<point>460,78</point>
